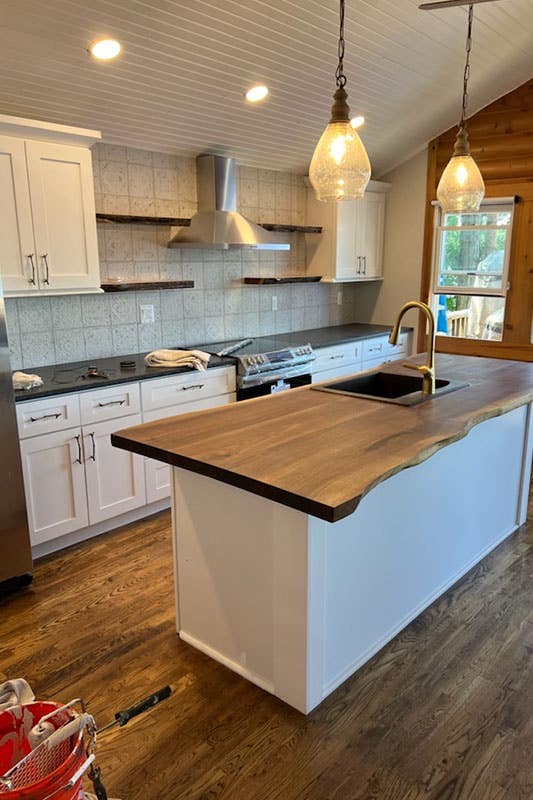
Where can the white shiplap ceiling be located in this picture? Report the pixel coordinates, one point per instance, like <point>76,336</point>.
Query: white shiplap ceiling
<point>178,85</point>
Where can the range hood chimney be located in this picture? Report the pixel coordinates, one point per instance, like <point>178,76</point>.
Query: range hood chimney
<point>218,224</point>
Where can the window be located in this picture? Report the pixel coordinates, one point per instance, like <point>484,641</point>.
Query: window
<point>470,271</point>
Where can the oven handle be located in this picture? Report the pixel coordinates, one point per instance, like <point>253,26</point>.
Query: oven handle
<point>248,381</point>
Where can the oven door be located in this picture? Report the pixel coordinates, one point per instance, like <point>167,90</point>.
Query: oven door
<point>261,385</point>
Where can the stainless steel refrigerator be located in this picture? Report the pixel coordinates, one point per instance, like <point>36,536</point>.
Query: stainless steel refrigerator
<point>15,551</point>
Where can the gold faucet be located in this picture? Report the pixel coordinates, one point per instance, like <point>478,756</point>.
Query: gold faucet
<point>427,369</point>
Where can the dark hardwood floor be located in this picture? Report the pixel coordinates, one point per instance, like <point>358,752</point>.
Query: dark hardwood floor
<point>444,712</point>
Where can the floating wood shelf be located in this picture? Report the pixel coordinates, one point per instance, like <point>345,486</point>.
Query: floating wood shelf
<point>130,219</point>
<point>137,286</point>
<point>184,222</point>
<point>268,226</point>
<point>271,281</point>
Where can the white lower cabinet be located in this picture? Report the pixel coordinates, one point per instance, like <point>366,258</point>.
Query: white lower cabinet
<point>158,475</point>
<point>340,361</point>
<point>115,478</point>
<point>74,478</point>
<point>54,481</point>
<point>334,374</point>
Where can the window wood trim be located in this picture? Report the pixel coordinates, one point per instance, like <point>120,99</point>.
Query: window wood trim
<point>517,324</point>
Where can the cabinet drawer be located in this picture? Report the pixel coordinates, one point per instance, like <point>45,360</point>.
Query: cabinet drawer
<point>109,403</point>
<point>374,348</point>
<point>48,415</point>
<point>337,356</point>
<point>187,387</point>
<point>397,350</point>
<point>380,345</point>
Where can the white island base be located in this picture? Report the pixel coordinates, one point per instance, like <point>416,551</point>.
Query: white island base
<point>295,604</point>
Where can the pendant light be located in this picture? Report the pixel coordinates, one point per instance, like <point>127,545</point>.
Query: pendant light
<point>461,186</point>
<point>340,169</point>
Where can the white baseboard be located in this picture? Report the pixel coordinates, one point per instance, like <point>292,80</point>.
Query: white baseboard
<point>227,662</point>
<point>52,546</point>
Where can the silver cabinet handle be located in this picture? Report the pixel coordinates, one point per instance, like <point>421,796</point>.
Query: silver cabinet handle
<point>46,278</point>
<point>192,386</point>
<point>364,265</point>
<point>46,416</point>
<point>332,358</point>
<point>358,270</point>
<point>111,403</point>
<point>92,457</point>
<point>32,264</point>
<point>78,442</point>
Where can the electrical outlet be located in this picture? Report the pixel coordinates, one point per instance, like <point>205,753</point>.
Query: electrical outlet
<point>147,315</point>
<point>339,297</point>
<point>274,303</point>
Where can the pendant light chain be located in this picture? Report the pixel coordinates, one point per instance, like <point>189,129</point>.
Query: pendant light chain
<point>461,188</point>
<point>340,77</point>
<point>467,66</point>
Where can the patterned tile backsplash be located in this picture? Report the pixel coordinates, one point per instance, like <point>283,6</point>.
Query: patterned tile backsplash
<point>48,330</point>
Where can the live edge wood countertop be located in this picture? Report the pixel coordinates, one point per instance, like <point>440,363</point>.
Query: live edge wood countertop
<point>320,452</point>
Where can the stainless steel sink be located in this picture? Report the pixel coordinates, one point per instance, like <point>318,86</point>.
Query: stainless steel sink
<point>389,387</point>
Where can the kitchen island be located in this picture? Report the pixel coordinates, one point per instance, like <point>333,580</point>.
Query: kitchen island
<point>311,527</point>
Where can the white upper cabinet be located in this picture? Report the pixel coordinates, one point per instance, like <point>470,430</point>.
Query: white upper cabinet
<point>49,241</point>
<point>64,218</point>
<point>369,245</point>
<point>18,265</point>
<point>350,247</point>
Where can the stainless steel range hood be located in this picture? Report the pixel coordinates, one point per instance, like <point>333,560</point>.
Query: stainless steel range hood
<point>218,224</point>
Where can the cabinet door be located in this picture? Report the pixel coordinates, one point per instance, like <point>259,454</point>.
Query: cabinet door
<point>158,474</point>
<point>347,244</point>
<point>115,478</point>
<point>335,373</point>
<point>54,483</point>
<point>17,247</point>
<point>64,221</point>
<point>371,237</point>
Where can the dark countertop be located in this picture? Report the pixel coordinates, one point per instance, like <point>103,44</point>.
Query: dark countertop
<point>65,378</point>
<point>336,334</point>
<point>331,449</point>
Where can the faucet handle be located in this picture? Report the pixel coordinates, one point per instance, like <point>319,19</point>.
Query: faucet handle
<point>423,368</point>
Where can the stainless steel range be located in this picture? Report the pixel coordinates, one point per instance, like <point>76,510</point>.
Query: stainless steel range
<point>265,367</point>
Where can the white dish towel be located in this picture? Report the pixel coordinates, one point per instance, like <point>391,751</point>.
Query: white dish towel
<point>21,380</point>
<point>196,359</point>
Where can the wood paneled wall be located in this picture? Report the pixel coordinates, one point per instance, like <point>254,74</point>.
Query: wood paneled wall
<point>501,138</point>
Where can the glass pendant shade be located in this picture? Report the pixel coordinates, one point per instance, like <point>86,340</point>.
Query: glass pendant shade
<point>461,187</point>
<point>340,168</point>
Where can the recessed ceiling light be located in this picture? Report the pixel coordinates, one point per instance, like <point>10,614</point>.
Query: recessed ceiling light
<point>357,122</point>
<point>257,93</point>
<point>104,49</point>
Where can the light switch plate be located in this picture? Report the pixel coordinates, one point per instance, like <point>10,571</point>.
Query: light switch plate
<point>147,314</point>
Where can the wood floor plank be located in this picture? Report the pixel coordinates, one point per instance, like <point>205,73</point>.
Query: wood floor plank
<point>441,713</point>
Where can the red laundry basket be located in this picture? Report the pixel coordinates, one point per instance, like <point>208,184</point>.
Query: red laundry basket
<point>50,770</point>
